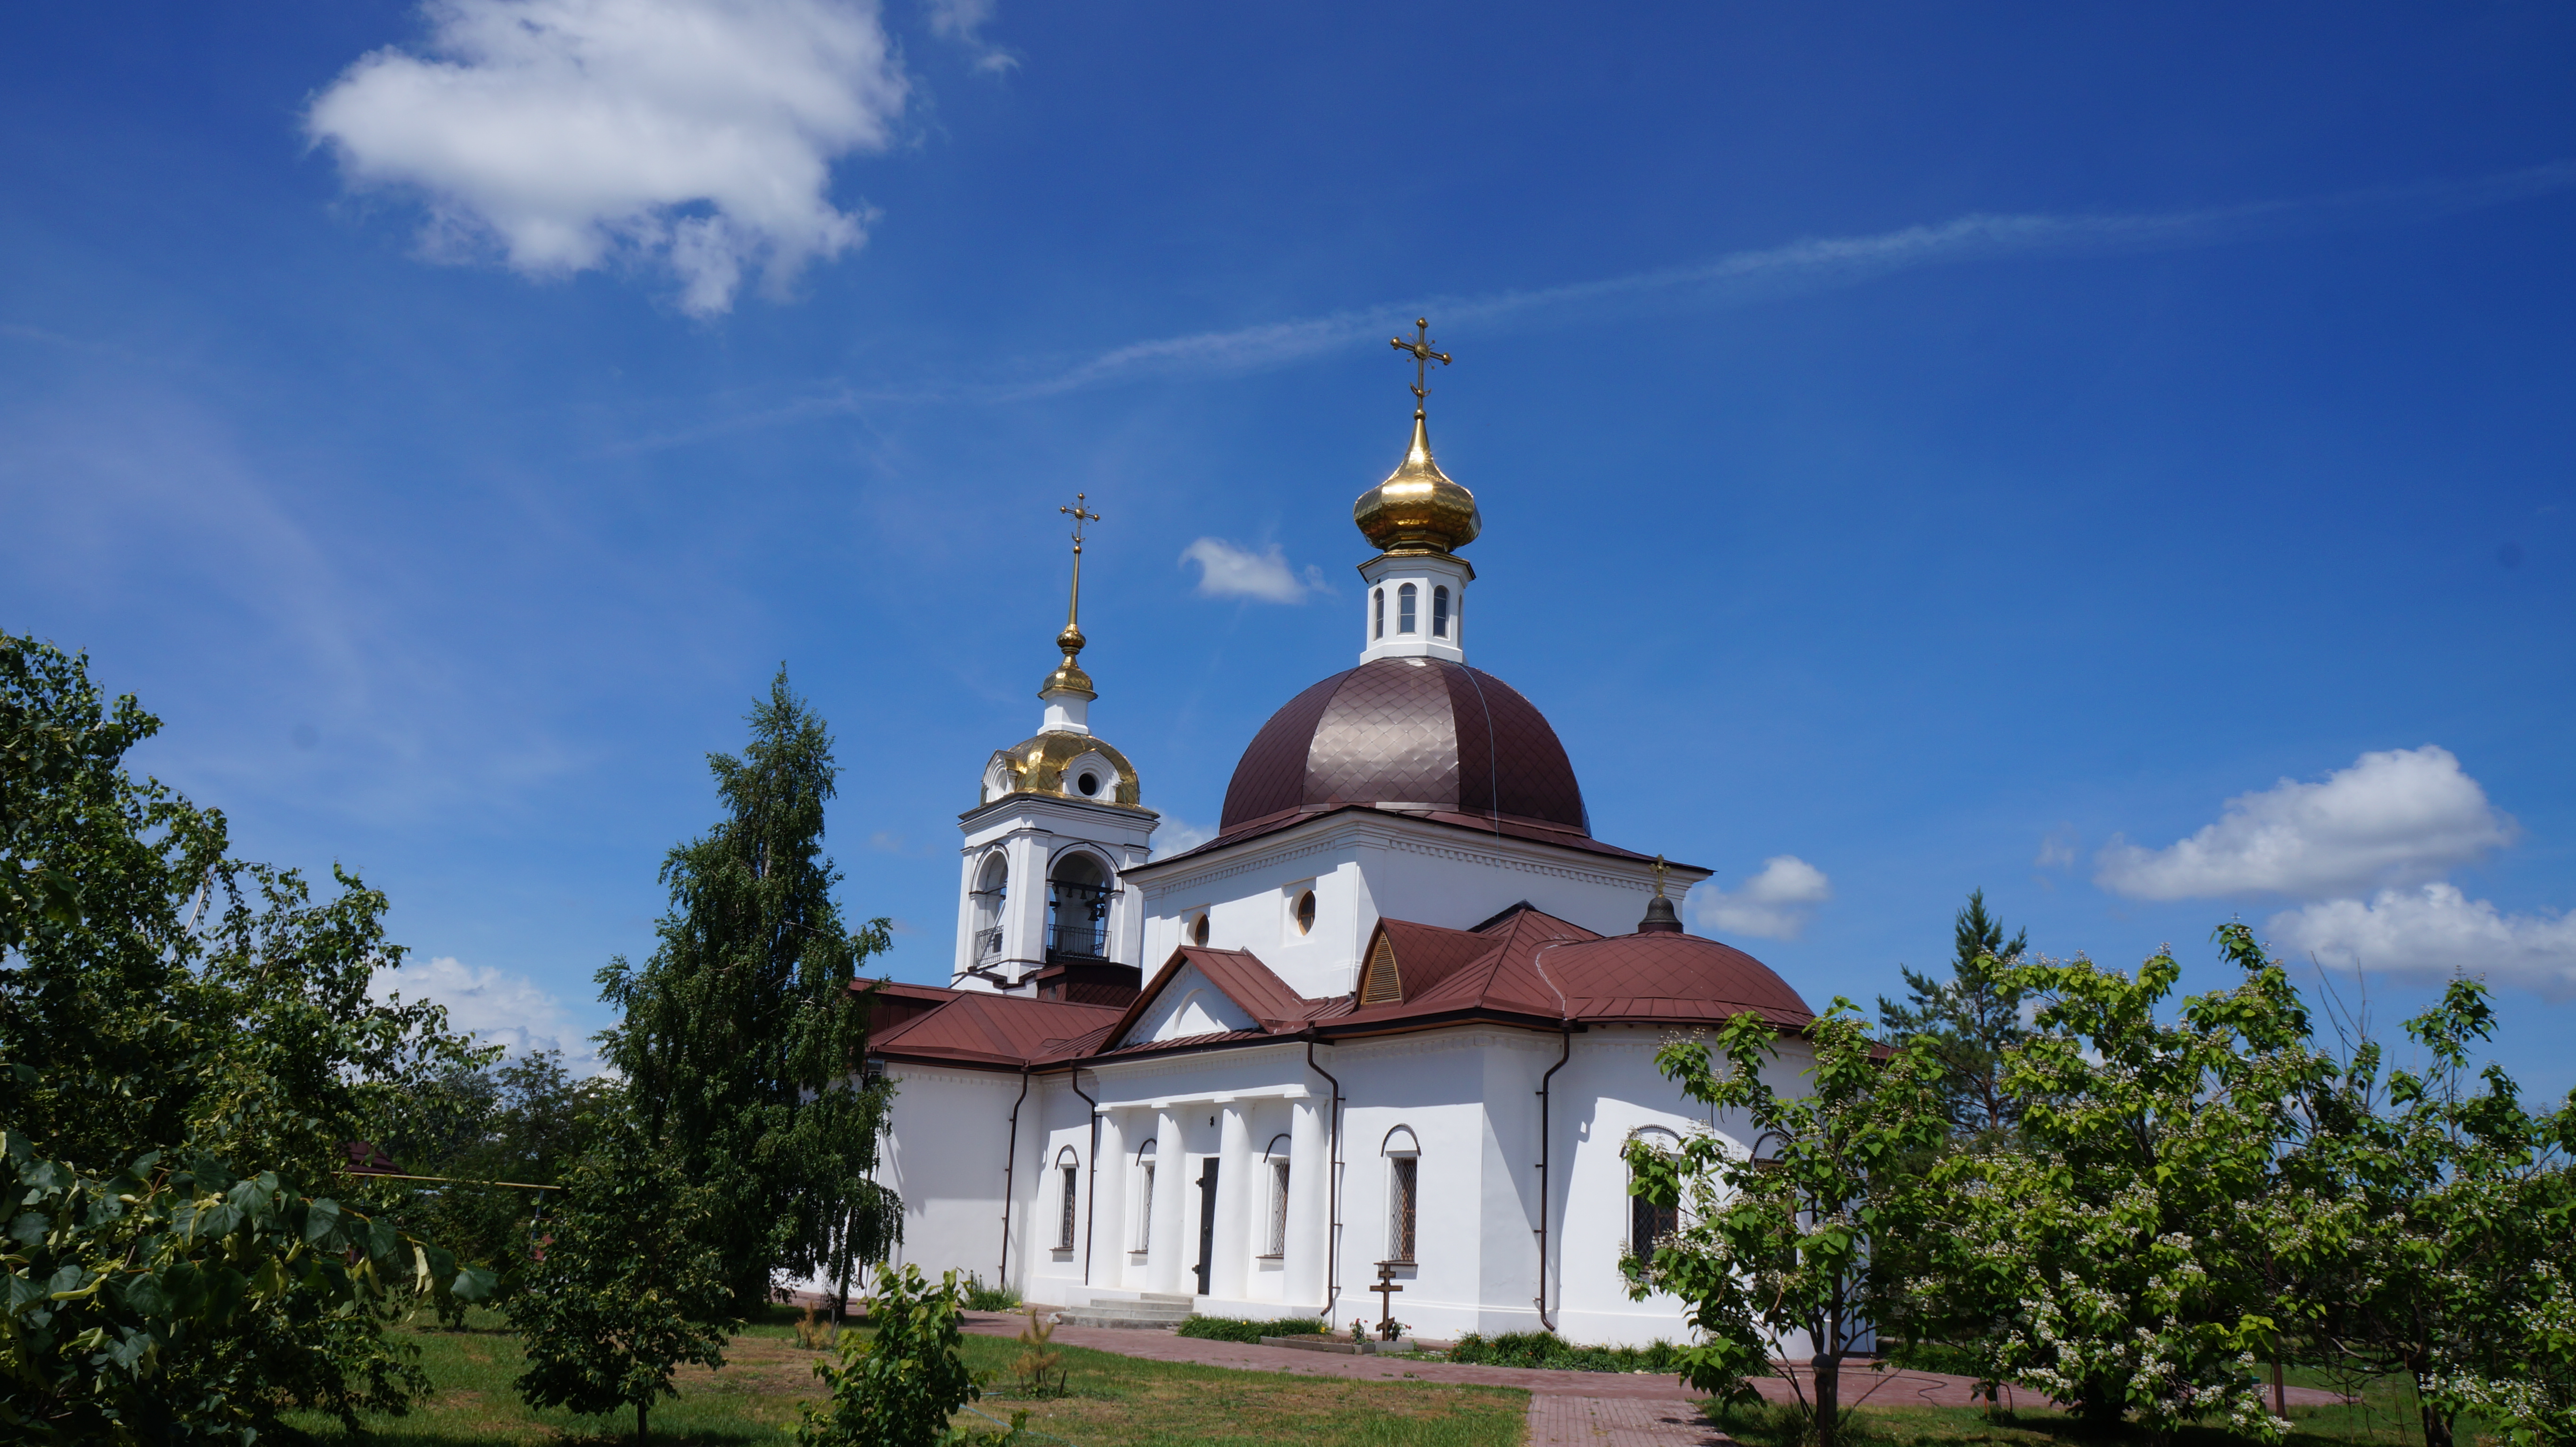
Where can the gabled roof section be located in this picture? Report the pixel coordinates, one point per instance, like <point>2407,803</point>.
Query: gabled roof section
<point>1237,974</point>
<point>981,1029</point>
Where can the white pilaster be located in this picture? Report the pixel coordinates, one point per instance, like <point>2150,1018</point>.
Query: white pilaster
<point>1168,1254</point>
<point>1308,1178</point>
<point>1230,1260</point>
<point>1106,1225</point>
<point>1024,909</point>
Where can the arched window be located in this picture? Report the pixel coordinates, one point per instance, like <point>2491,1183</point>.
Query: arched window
<point>1276,1161</point>
<point>1068,1169</point>
<point>992,886</point>
<point>1404,597</point>
<point>1306,912</point>
<point>1403,1192</point>
<point>1144,1196</point>
<point>1440,612</point>
<point>1199,928</point>
<point>1078,909</point>
<point>1648,1222</point>
<point>1377,600</point>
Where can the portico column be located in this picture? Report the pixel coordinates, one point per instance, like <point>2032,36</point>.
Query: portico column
<point>1231,1259</point>
<point>1165,1250</point>
<point>1308,1177</point>
<point>1105,1229</point>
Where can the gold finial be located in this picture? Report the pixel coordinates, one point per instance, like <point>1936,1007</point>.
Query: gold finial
<point>1418,509</point>
<point>1423,357</point>
<point>1068,676</point>
<point>1661,868</point>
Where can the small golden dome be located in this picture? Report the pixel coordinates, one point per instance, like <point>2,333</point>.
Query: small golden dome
<point>1068,676</point>
<point>1418,509</point>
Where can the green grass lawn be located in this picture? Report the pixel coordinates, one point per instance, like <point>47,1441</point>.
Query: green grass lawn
<point>1113,1401</point>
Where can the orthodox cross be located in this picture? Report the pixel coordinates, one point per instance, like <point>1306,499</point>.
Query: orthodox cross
<point>1073,608</point>
<point>1386,1289</point>
<point>1660,869</point>
<point>1423,356</point>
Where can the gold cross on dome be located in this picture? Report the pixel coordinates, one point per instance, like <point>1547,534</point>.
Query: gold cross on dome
<point>1661,868</point>
<point>1071,638</point>
<point>1423,356</point>
<point>1079,518</point>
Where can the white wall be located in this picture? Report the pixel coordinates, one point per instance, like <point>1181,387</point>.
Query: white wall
<point>1468,1098</point>
<point>1441,876</point>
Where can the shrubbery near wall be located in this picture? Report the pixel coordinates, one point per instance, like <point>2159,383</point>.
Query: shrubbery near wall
<point>1243,1329</point>
<point>1547,1349</point>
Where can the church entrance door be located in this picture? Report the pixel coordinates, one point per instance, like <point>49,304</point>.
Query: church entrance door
<point>1207,1223</point>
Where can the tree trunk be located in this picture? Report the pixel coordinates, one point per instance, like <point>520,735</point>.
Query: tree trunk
<point>1829,1387</point>
<point>639,1424</point>
<point>2437,1424</point>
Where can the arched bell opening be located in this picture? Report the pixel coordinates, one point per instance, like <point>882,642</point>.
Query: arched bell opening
<point>1078,909</point>
<point>992,887</point>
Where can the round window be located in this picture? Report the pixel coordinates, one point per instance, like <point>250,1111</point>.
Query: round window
<point>1305,911</point>
<point>1089,783</point>
<point>1199,930</point>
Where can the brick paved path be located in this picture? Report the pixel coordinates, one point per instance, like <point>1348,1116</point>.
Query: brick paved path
<point>1567,1409</point>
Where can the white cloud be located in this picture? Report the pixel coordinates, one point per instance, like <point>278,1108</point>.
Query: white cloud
<point>693,134</point>
<point>2398,817</point>
<point>494,1005</point>
<point>2056,849</point>
<point>1773,904</point>
<point>1176,836</point>
<point>963,21</point>
<point>2433,932</point>
<point>1227,571</point>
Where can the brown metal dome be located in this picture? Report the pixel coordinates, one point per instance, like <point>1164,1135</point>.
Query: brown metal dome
<point>1416,734</point>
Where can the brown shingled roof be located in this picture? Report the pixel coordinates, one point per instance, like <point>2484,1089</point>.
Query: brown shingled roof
<point>982,1028</point>
<point>1526,967</point>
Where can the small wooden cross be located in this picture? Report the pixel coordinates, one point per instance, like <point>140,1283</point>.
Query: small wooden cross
<point>1423,357</point>
<point>1386,1289</point>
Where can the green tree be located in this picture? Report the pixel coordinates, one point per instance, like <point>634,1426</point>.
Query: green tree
<point>628,1285</point>
<point>2436,1231</point>
<point>742,1036</point>
<point>898,1385</point>
<point>175,1024</point>
<point>2113,1254</point>
<point>177,1303</point>
<point>1781,1239</point>
<point>1969,1021</point>
<point>493,1134</point>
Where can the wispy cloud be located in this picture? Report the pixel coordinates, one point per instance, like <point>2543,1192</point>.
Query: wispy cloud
<point>1229,571</point>
<point>1731,279</point>
<point>1741,278</point>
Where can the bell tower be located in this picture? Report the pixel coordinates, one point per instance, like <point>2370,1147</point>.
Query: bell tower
<point>1040,909</point>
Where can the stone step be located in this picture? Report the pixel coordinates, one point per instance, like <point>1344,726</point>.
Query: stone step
<point>1142,1314</point>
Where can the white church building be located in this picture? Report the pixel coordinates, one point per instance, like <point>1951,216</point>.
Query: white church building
<point>1398,1016</point>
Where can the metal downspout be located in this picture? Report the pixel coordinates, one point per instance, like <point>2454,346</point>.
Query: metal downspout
<point>1332,1187</point>
<point>1011,1163</point>
<point>1091,1181</point>
<point>1565,1052</point>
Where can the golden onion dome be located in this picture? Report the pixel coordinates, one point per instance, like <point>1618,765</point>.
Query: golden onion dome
<point>1418,509</point>
<point>1053,763</point>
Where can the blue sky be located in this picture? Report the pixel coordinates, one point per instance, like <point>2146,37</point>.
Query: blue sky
<point>2118,458</point>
